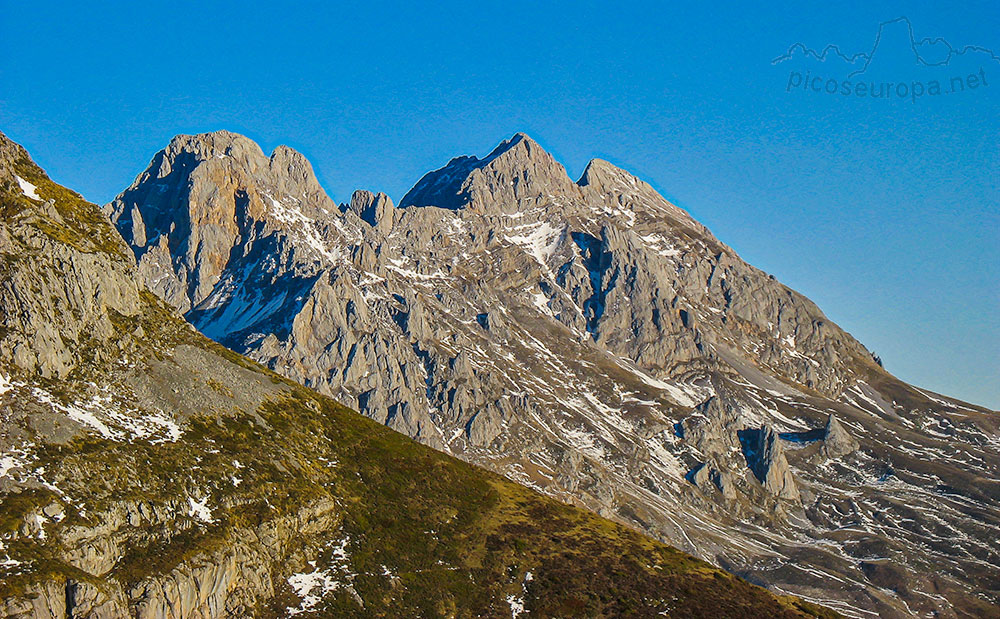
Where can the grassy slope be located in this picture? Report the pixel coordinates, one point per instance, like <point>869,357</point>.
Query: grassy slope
<point>428,535</point>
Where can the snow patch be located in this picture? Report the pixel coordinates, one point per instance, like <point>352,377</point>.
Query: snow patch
<point>13,459</point>
<point>40,521</point>
<point>685,395</point>
<point>242,313</point>
<point>100,415</point>
<point>540,240</point>
<point>5,384</point>
<point>7,563</point>
<point>199,509</point>
<point>312,586</point>
<point>397,266</point>
<point>541,302</point>
<point>661,245</point>
<point>582,441</point>
<point>856,395</point>
<point>79,415</point>
<point>517,602</point>
<point>516,606</point>
<point>294,217</point>
<point>28,189</point>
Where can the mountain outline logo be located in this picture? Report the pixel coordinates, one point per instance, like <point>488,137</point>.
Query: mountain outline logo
<point>916,47</point>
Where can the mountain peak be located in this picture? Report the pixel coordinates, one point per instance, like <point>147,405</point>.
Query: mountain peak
<point>243,154</point>
<point>518,140</point>
<point>604,176</point>
<point>519,149</point>
<point>202,195</point>
<point>227,154</point>
<point>214,144</point>
<point>517,169</point>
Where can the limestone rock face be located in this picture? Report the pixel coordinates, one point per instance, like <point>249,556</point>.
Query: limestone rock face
<point>199,199</point>
<point>587,338</point>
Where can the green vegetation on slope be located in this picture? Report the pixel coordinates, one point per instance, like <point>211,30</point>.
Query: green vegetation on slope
<point>427,535</point>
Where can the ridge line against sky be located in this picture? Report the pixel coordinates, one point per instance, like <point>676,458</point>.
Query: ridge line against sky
<point>886,213</point>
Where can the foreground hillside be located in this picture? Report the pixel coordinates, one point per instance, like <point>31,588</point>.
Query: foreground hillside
<point>594,341</point>
<point>146,471</point>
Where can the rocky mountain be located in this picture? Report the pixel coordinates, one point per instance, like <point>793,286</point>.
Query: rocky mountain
<point>146,471</point>
<point>593,341</point>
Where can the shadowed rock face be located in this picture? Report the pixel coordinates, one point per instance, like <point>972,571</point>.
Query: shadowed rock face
<point>592,340</point>
<point>146,471</point>
<point>766,458</point>
<point>198,201</point>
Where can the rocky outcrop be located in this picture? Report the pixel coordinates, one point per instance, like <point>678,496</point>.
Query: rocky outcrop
<point>709,477</point>
<point>229,582</point>
<point>837,441</point>
<point>712,430</point>
<point>767,460</point>
<point>56,301</point>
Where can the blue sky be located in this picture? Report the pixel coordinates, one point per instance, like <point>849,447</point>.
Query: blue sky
<point>886,212</point>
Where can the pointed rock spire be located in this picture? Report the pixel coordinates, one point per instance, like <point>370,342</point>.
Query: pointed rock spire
<point>374,208</point>
<point>837,441</point>
<point>294,174</point>
<point>770,465</point>
<point>599,173</point>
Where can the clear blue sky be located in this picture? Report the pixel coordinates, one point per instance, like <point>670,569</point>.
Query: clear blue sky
<point>886,212</point>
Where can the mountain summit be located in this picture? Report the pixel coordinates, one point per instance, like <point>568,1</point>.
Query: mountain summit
<point>224,181</point>
<point>516,171</point>
<point>592,340</point>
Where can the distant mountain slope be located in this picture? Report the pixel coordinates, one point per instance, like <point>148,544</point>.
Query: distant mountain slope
<point>592,340</point>
<point>146,471</point>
